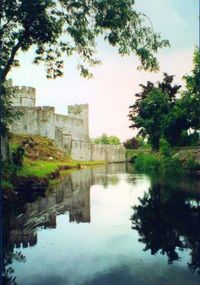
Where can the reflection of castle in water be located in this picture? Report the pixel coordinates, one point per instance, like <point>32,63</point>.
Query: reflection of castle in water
<point>72,195</point>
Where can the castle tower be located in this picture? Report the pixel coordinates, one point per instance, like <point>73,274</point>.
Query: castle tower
<point>80,112</point>
<point>24,96</point>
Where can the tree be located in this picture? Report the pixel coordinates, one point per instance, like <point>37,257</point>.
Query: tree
<point>7,113</point>
<point>105,139</point>
<point>191,96</point>
<point>152,112</point>
<point>135,142</point>
<point>54,27</point>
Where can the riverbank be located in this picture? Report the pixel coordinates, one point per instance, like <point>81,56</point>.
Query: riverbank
<point>173,160</point>
<point>35,163</point>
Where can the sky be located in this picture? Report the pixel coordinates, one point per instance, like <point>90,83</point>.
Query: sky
<point>111,91</point>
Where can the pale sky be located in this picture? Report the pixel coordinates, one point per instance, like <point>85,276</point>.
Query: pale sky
<point>111,91</point>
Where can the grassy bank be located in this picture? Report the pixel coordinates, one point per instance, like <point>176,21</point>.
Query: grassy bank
<point>40,158</point>
<point>43,169</point>
<point>175,160</point>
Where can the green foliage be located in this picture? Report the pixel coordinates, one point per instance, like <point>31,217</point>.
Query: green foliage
<point>147,162</point>
<point>152,112</point>
<point>193,80</point>
<point>8,115</point>
<point>160,113</point>
<point>191,96</point>
<point>56,27</point>
<point>105,139</point>
<point>164,162</point>
<point>156,163</point>
<point>171,165</point>
<point>164,147</point>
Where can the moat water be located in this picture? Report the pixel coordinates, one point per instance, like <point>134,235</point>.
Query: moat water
<point>107,225</point>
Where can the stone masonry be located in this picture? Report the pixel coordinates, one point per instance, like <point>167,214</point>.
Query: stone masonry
<point>69,132</point>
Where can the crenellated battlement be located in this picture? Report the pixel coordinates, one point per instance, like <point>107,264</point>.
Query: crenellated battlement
<point>70,132</point>
<point>78,110</point>
<point>24,96</point>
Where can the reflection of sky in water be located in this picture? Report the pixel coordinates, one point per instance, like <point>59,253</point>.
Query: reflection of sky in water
<point>105,251</point>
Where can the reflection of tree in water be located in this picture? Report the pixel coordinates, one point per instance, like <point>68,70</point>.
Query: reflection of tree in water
<point>8,271</point>
<point>9,255</point>
<point>167,220</point>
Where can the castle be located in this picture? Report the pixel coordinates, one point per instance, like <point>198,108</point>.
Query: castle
<point>69,132</point>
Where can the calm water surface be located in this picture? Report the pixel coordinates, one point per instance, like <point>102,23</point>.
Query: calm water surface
<point>108,226</point>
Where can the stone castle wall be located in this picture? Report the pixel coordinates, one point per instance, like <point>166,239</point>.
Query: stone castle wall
<point>24,96</point>
<point>70,132</point>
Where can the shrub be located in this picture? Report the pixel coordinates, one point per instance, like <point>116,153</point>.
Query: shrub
<point>171,165</point>
<point>147,162</point>
<point>156,163</point>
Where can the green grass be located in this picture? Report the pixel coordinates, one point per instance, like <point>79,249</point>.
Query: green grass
<point>37,168</point>
<point>42,169</point>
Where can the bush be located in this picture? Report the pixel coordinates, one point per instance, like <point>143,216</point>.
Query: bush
<point>171,165</point>
<point>147,162</point>
<point>155,163</point>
